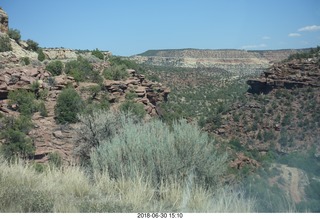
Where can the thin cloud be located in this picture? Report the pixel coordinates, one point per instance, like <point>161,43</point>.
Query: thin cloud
<point>266,38</point>
<point>254,46</point>
<point>294,35</point>
<point>310,28</point>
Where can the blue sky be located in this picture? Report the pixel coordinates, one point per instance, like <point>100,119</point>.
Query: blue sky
<point>128,27</point>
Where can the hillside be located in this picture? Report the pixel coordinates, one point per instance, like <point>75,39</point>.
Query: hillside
<point>189,130</point>
<point>270,55</point>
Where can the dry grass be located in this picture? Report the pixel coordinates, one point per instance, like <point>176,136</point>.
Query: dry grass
<point>68,189</point>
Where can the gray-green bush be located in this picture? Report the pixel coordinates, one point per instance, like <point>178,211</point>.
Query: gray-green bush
<point>160,154</point>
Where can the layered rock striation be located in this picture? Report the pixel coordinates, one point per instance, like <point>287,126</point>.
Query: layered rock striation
<point>289,75</point>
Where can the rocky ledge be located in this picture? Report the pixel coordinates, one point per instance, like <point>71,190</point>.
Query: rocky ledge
<point>289,75</point>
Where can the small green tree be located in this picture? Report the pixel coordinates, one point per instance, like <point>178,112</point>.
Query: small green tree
<point>14,34</point>
<point>69,104</point>
<point>41,55</point>
<point>82,70</point>
<point>16,142</point>
<point>5,44</point>
<point>32,45</point>
<point>98,54</point>
<point>24,101</point>
<point>55,67</point>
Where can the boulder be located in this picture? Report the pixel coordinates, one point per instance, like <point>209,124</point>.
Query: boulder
<point>58,134</point>
<point>131,81</point>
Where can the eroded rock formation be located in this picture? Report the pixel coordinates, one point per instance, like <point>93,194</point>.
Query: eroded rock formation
<point>4,21</point>
<point>293,74</point>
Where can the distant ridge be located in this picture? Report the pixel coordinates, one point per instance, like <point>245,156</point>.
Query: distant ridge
<point>212,53</point>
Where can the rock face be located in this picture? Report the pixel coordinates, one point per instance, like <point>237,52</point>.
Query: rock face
<point>47,135</point>
<point>4,21</point>
<point>282,115</point>
<point>289,75</point>
<point>241,62</point>
<point>149,93</point>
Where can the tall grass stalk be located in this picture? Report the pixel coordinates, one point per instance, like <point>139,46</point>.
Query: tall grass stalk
<point>68,189</point>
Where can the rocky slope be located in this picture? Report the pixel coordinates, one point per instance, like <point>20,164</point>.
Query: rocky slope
<point>48,136</point>
<point>279,111</point>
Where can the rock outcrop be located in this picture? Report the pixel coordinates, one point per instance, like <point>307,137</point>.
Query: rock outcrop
<point>289,75</point>
<point>47,135</point>
<point>4,21</point>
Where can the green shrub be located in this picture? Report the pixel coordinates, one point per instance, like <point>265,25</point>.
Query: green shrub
<point>55,67</point>
<point>35,87</point>
<point>160,155</point>
<point>69,104</point>
<point>17,144</point>
<point>215,120</point>
<point>55,159</point>
<point>14,34</point>
<point>153,78</point>
<point>135,108</point>
<point>131,95</point>
<point>5,44</point>
<point>82,70</point>
<point>43,94</point>
<point>51,81</point>
<point>40,168</point>
<point>42,109</point>
<point>41,55</point>
<point>236,144</point>
<point>117,72</point>
<point>32,45</point>
<point>98,54</point>
<point>22,123</point>
<point>25,60</point>
<point>24,100</point>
